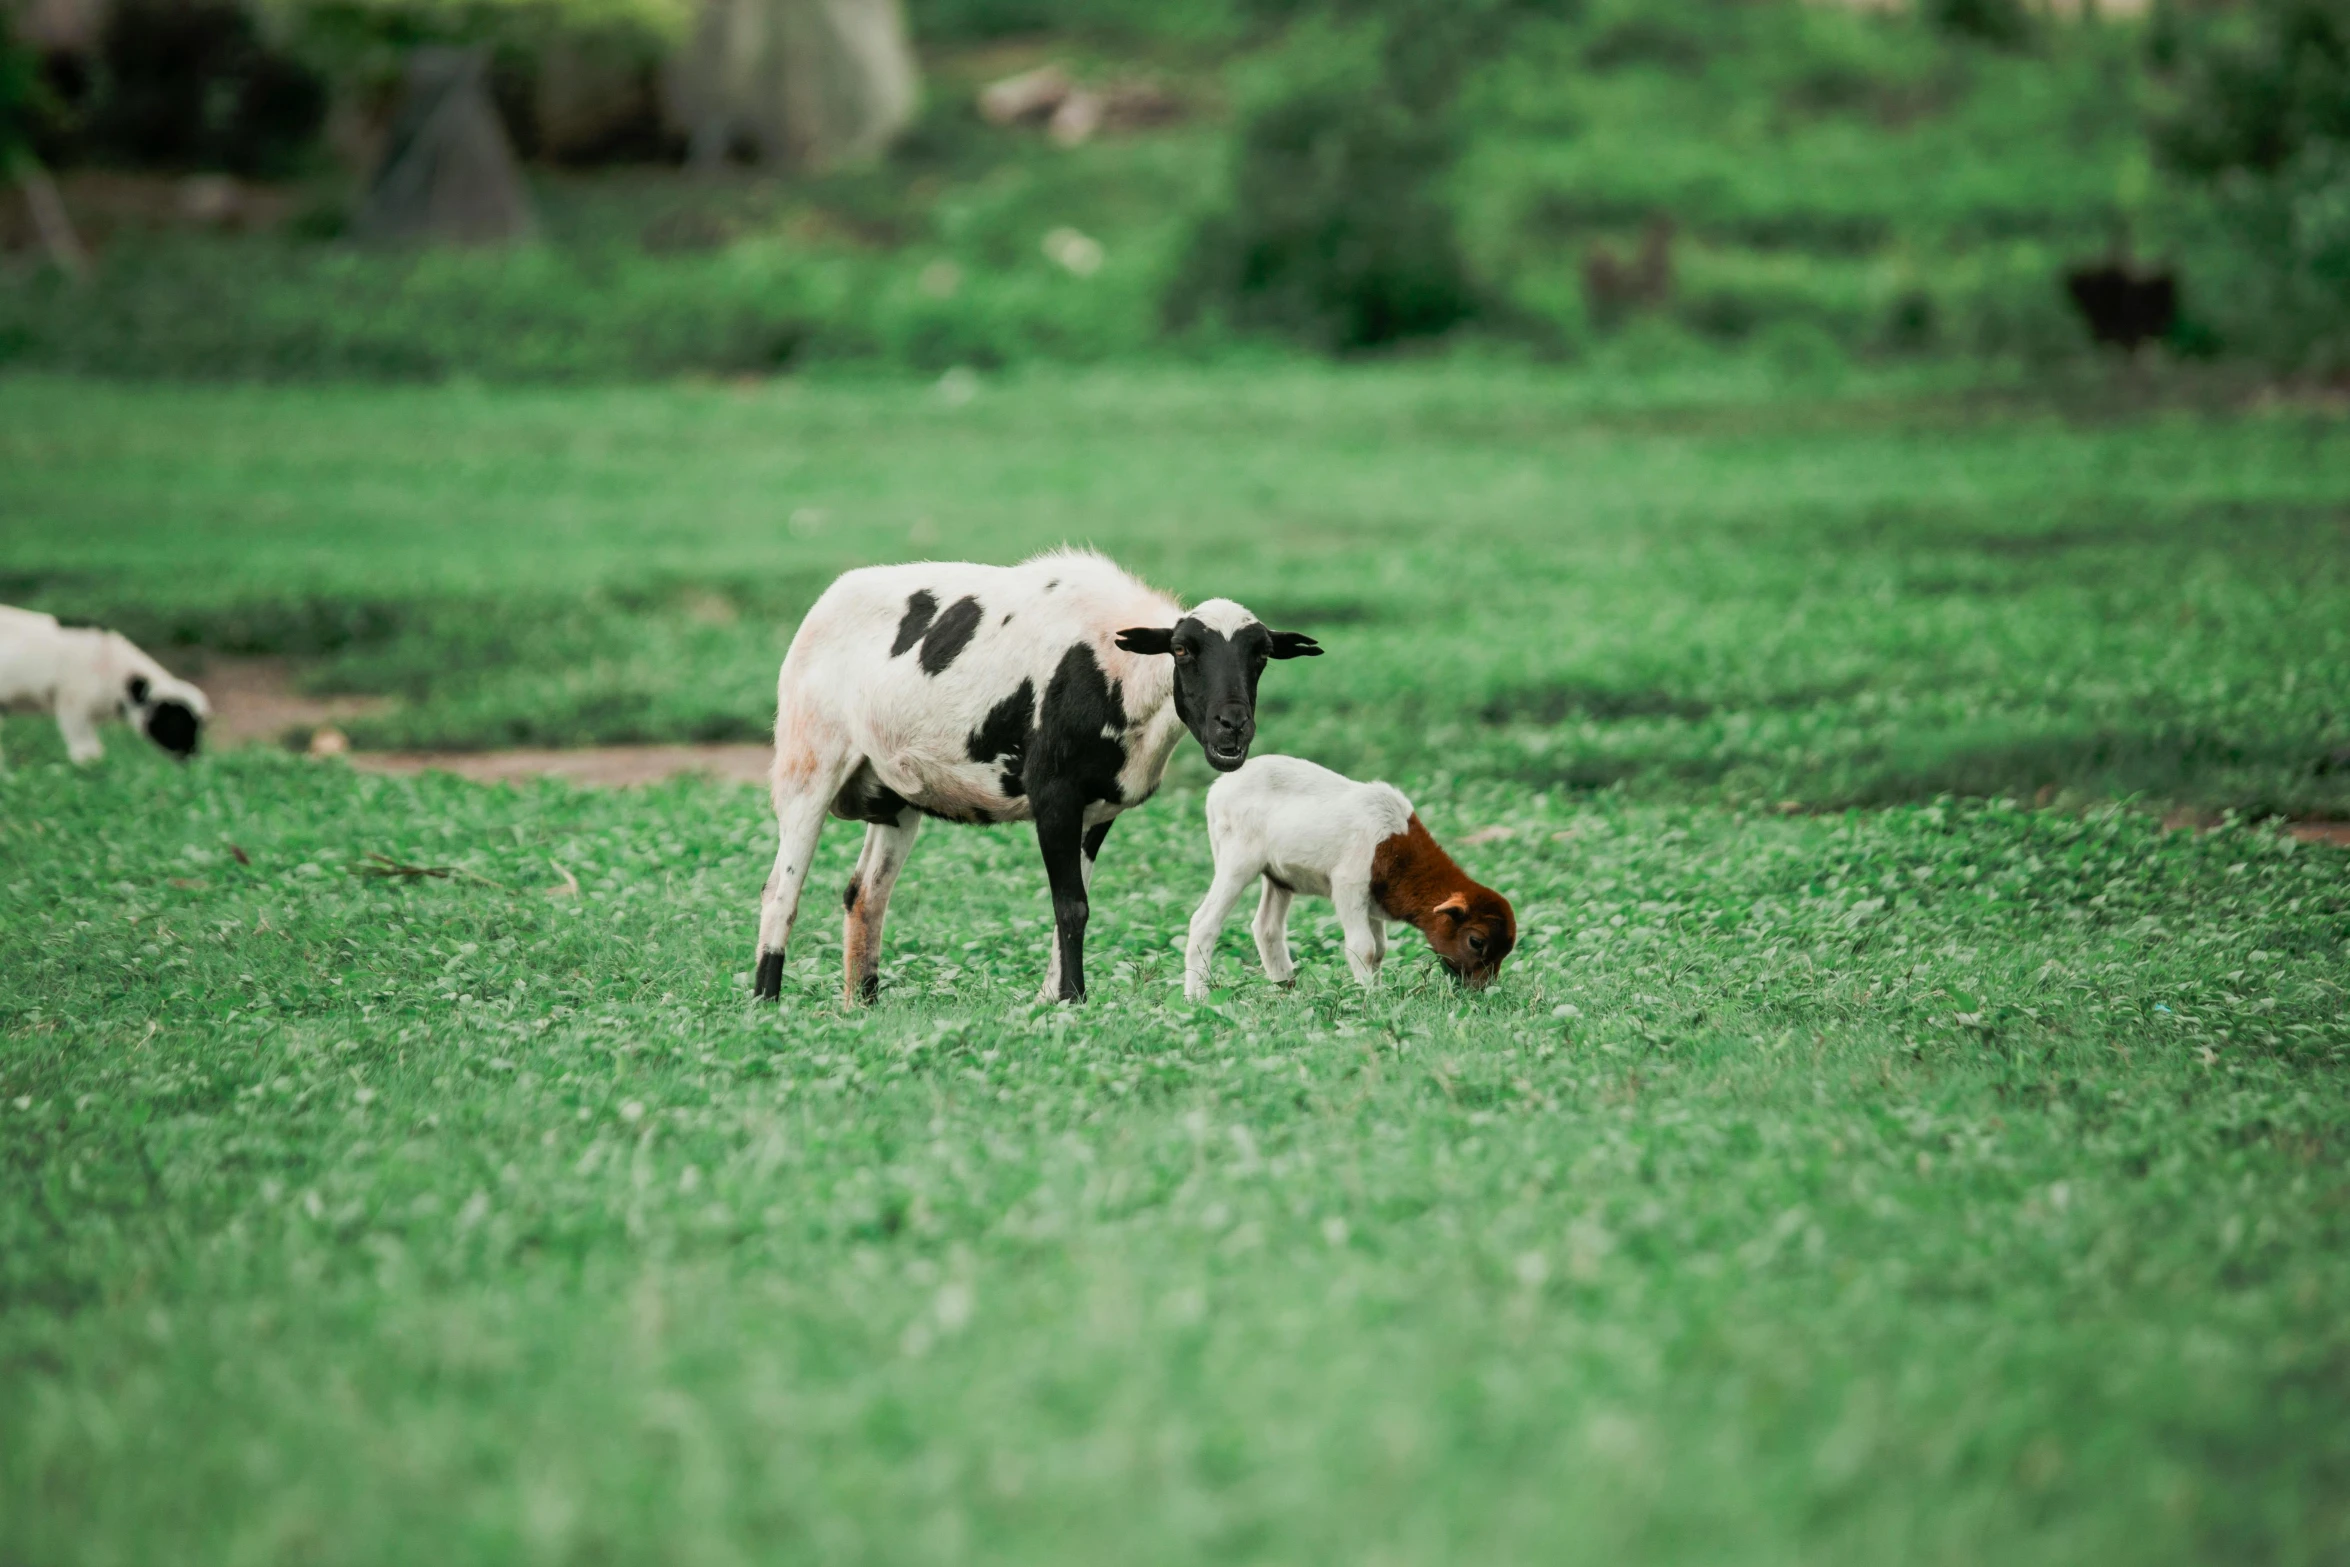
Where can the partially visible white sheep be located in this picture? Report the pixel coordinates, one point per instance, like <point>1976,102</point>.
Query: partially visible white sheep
<point>1307,829</point>
<point>84,676</point>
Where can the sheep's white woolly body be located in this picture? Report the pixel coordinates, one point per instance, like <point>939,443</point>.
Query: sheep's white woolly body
<point>84,676</point>
<point>1304,829</point>
<point>913,727</point>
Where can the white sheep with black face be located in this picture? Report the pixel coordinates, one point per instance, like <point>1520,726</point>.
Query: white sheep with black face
<point>1053,691</point>
<point>85,676</point>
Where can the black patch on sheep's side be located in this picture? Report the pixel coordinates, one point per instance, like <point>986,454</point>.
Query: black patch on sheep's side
<point>865,798</point>
<point>768,984</point>
<point>950,634</point>
<point>174,726</point>
<point>1001,740</point>
<point>848,896</point>
<point>1077,745</point>
<point>919,610</point>
<point>137,689</point>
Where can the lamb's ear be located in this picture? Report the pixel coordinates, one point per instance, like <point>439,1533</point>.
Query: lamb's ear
<point>1295,644</point>
<point>1455,908</point>
<point>1147,639</point>
<point>137,689</point>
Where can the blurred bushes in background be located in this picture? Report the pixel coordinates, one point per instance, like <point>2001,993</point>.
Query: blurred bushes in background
<point>2255,132</point>
<point>1640,178</point>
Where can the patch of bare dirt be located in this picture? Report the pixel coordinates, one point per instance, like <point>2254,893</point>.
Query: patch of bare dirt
<point>254,701</point>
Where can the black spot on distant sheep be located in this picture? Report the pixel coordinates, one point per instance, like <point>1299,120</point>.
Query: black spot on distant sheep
<point>920,607</point>
<point>137,689</point>
<point>1001,739</point>
<point>174,726</point>
<point>950,634</point>
<point>1078,741</point>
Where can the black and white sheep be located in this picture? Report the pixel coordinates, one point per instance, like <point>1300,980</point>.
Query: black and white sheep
<point>1051,691</point>
<point>85,676</point>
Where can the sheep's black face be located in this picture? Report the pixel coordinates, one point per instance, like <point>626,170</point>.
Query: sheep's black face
<point>175,727</point>
<point>1219,651</point>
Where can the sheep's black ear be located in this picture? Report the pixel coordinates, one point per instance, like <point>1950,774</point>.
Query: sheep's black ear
<point>1295,644</point>
<point>137,689</point>
<point>1147,639</point>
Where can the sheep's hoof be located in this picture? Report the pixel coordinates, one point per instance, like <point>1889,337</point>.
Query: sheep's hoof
<point>865,991</point>
<point>1287,984</point>
<point>767,985</point>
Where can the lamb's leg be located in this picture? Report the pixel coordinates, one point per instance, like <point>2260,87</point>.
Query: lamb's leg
<point>80,730</point>
<point>1359,917</point>
<point>867,902</point>
<point>809,771</point>
<point>1199,952</point>
<point>1272,932</point>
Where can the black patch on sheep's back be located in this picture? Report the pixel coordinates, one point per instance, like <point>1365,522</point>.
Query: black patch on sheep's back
<point>919,610</point>
<point>848,896</point>
<point>137,689</point>
<point>1076,744</point>
<point>1001,740</point>
<point>768,984</point>
<point>950,634</point>
<point>174,726</point>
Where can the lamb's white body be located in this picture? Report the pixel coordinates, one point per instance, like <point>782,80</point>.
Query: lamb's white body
<point>81,675</point>
<point>1305,829</point>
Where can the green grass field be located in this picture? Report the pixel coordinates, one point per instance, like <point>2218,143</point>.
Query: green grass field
<point>1888,1145</point>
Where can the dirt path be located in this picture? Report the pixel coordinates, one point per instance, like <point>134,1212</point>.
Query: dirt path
<point>602,767</point>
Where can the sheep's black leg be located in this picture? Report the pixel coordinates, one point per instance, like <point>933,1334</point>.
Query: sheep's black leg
<point>1060,836</point>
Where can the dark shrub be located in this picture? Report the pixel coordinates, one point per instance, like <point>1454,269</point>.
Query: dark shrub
<point>1337,234</point>
<point>2257,138</point>
<point>2252,97</point>
<point>190,84</point>
<point>2004,24</point>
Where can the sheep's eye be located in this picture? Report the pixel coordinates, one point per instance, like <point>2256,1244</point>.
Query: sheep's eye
<point>1181,652</point>
<point>1477,944</point>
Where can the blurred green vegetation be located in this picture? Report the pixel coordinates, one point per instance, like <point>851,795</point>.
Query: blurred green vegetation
<point>1842,184</point>
<point>1678,583</point>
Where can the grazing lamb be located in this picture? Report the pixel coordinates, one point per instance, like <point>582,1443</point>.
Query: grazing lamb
<point>1307,829</point>
<point>82,675</point>
<point>1052,691</point>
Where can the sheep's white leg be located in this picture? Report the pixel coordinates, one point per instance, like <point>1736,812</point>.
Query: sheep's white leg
<point>1199,952</point>
<point>867,902</point>
<point>1272,932</point>
<point>809,772</point>
<point>80,730</point>
<point>1359,917</point>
